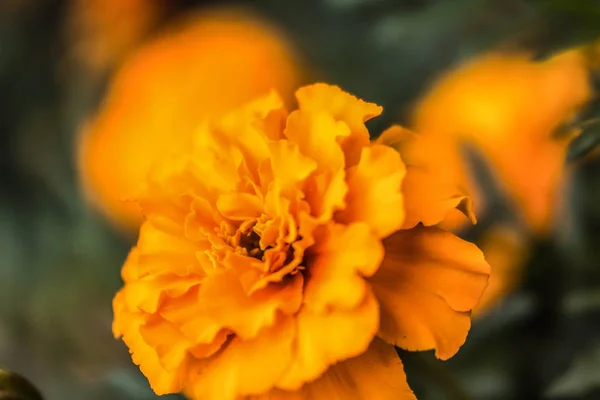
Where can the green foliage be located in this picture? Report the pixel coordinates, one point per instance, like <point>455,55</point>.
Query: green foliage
<point>565,24</point>
<point>16,387</point>
<point>584,143</point>
<point>588,120</point>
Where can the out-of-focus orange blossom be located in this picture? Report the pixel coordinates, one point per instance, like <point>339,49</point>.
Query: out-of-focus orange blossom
<point>203,65</point>
<point>505,249</point>
<point>507,108</point>
<point>103,32</point>
<point>283,255</point>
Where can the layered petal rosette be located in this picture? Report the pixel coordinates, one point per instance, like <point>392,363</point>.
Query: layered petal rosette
<point>283,256</point>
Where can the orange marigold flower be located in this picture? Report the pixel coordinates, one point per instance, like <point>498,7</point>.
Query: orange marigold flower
<point>102,32</point>
<point>203,65</point>
<point>508,107</point>
<point>506,250</point>
<point>283,255</point>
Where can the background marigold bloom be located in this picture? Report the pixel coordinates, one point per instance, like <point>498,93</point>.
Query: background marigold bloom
<point>506,250</point>
<point>104,31</point>
<point>201,66</point>
<point>508,107</point>
<point>283,255</point>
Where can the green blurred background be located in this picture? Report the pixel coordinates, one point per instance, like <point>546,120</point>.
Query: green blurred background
<point>60,260</point>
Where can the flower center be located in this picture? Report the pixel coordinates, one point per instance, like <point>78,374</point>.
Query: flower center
<point>250,241</point>
<point>277,253</point>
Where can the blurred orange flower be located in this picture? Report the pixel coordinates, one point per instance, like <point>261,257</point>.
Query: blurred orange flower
<point>283,255</point>
<point>506,250</point>
<point>204,65</point>
<point>104,31</point>
<point>507,108</point>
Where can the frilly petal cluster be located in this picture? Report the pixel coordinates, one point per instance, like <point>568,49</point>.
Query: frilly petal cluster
<point>283,256</point>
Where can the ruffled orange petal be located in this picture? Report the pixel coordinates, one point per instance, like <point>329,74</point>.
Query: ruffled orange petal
<point>146,294</point>
<point>376,374</point>
<point>427,286</point>
<point>289,166</point>
<point>171,186</point>
<point>429,201</point>
<point>273,125</point>
<point>317,134</point>
<point>127,324</point>
<point>210,155</point>
<point>429,197</point>
<point>239,206</point>
<point>161,253</point>
<point>200,222</point>
<point>343,107</point>
<point>245,367</point>
<point>232,146</point>
<point>223,299</point>
<point>344,255</point>
<point>374,194</point>
<point>185,313</point>
<point>171,346</point>
<point>326,194</point>
<point>325,338</point>
<point>237,130</point>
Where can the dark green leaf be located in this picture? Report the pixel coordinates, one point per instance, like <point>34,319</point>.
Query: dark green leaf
<point>590,113</point>
<point>581,378</point>
<point>557,42</point>
<point>587,117</point>
<point>584,143</point>
<point>563,24</point>
<point>16,387</point>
